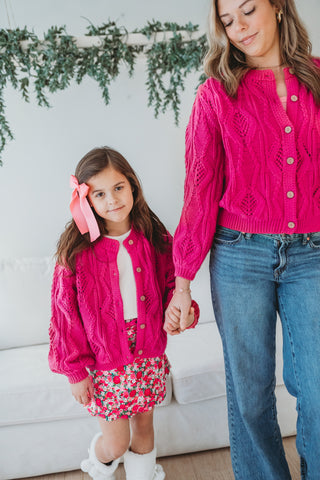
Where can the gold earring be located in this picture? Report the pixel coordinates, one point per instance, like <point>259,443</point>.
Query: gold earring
<point>279,16</point>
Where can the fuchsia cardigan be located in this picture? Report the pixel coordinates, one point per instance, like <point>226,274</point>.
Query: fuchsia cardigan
<point>87,326</point>
<point>251,165</point>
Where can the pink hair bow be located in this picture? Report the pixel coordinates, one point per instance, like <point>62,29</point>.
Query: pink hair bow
<point>81,210</point>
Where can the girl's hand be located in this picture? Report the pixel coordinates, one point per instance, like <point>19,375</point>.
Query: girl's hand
<point>190,318</point>
<point>83,391</point>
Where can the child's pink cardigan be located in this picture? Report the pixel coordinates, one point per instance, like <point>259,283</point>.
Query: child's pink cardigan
<point>251,165</point>
<point>87,327</point>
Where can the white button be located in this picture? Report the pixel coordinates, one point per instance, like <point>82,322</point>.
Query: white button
<point>140,352</point>
<point>142,326</point>
<point>142,298</point>
<point>130,242</point>
<point>294,98</point>
<point>291,224</point>
<point>290,194</point>
<point>138,269</point>
<point>288,129</point>
<point>290,160</point>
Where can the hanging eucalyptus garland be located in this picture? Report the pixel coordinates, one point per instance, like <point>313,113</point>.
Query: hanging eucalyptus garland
<point>52,63</point>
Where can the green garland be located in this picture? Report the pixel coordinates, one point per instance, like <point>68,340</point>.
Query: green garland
<point>52,63</point>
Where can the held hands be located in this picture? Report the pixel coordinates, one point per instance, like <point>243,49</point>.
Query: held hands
<point>83,391</point>
<point>172,324</point>
<point>179,314</point>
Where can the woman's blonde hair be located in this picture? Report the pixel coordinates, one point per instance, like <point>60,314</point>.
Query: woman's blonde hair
<point>226,63</point>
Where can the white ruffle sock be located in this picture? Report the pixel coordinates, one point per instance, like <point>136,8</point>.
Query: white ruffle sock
<point>142,467</point>
<point>96,469</point>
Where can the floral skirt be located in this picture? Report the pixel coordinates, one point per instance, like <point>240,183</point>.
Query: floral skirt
<point>134,388</point>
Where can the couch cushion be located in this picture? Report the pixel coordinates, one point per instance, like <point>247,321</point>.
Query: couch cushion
<point>197,365</point>
<point>25,287</point>
<point>30,392</point>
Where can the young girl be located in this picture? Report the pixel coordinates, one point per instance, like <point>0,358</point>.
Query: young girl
<point>112,282</point>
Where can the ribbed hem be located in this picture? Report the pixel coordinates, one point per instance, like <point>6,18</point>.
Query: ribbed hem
<point>183,272</point>
<point>125,360</point>
<point>247,225</point>
<point>78,376</point>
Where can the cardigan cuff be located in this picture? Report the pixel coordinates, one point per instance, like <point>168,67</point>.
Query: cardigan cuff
<point>184,273</point>
<point>77,376</point>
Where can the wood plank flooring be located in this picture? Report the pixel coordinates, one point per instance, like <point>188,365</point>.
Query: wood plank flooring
<point>209,465</point>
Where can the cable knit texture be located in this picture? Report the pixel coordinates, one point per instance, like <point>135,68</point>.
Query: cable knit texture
<point>87,327</point>
<point>251,165</point>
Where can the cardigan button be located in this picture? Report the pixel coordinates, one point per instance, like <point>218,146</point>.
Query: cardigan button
<point>291,224</point>
<point>294,98</point>
<point>290,194</point>
<point>142,298</point>
<point>290,160</point>
<point>138,269</point>
<point>291,70</point>
<point>140,352</point>
<point>288,129</point>
<point>142,326</point>
<point>130,242</point>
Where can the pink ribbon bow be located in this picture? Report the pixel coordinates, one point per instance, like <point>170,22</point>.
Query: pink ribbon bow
<point>81,210</point>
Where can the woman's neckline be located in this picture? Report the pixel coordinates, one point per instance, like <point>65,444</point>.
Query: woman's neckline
<point>272,67</point>
<point>268,75</point>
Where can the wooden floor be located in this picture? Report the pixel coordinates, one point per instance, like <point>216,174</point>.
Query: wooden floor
<point>210,465</point>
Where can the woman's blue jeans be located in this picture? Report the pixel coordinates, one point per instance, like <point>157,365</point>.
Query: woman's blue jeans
<point>252,277</point>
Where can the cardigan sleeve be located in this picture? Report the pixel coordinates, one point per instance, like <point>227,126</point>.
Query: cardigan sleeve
<point>170,283</point>
<point>203,186</point>
<point>168,272</point>
<point>69,351</point>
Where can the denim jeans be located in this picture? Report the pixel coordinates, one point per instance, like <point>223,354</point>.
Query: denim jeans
<point>254,276</point>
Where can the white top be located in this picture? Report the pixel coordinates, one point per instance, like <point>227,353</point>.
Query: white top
<point>126,279</point>
<point>283,100</point>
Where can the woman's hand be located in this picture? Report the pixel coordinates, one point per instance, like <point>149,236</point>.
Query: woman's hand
<point>83,391</point>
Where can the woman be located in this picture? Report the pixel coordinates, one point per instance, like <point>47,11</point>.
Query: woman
<point>252,195</point>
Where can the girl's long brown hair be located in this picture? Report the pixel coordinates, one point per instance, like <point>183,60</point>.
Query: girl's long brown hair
<point>228,64</point>
<point>143,219</point>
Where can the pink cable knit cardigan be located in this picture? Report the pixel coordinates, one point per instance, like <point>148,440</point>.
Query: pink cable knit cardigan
<point>87,326</point>
<point>250,164</point>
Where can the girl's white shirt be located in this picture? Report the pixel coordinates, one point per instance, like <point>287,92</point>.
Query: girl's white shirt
<point>127,281</point>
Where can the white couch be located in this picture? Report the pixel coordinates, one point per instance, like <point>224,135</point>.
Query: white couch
<point>42,428</point>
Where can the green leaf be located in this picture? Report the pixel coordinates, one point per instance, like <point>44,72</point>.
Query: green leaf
<point>52,64</point>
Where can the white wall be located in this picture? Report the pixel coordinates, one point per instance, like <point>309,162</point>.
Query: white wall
<point>34,181</point>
